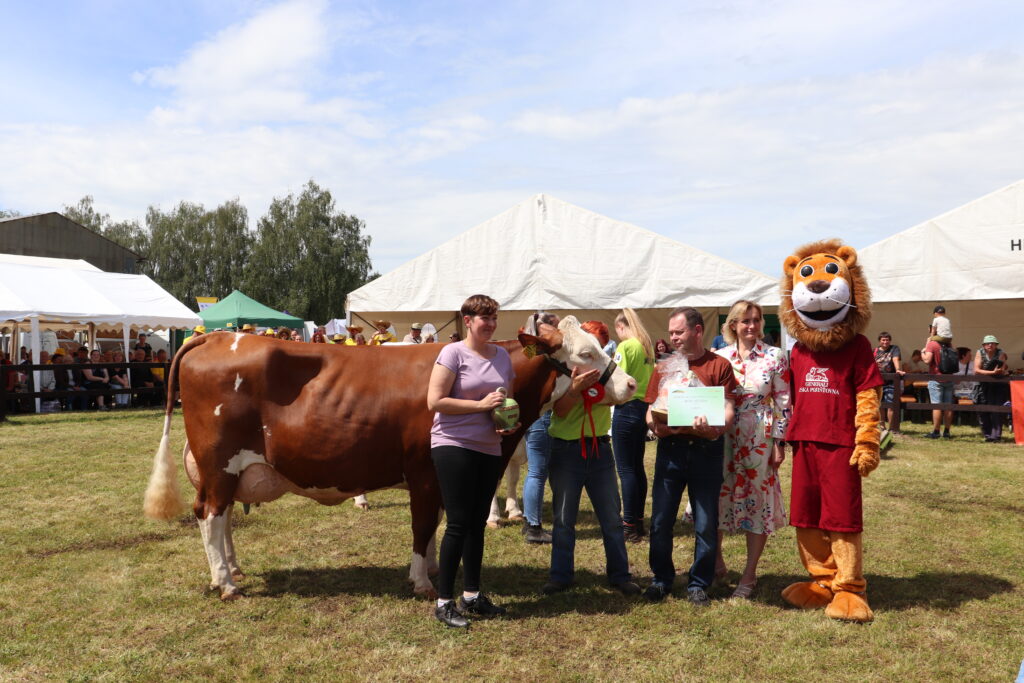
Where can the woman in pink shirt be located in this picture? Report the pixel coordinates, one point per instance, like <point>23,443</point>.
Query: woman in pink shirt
<point>466,449</point>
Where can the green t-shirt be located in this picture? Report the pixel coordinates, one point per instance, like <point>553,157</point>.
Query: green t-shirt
<point>630,357</point>
<point>568,427</point>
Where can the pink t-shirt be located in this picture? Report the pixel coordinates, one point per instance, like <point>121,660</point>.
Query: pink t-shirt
<point>475,377</point>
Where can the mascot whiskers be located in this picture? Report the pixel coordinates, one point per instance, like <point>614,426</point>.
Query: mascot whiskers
<point>834,432</point>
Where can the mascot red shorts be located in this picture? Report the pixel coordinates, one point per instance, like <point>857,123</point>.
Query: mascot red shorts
<point>826,489</point>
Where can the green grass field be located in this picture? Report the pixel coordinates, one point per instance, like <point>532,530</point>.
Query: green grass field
<point>90,590</point>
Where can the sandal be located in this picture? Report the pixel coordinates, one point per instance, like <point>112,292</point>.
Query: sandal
<point>745,590</point>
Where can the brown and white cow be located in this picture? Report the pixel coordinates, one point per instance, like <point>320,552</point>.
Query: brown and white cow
<point>264,417</point>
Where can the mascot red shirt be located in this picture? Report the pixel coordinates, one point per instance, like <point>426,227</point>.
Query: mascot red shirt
<point>826,304</point>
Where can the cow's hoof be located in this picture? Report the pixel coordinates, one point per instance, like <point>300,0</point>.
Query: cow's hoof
<point>515,518</point>
<point>363,506</point>
<point>430,593</point>
<point>492,525</point>
<point>230,594</point>
<point>847,606</point>
<point>807,595</point>
<point>237,575</point>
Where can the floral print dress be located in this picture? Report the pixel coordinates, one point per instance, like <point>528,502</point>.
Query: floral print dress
<point>751,495</point>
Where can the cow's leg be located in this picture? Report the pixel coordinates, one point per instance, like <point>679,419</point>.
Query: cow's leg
<point>515,514</point>
<point>361,502</point>
<point>432,567</point>
<point>495,516</point>
<point>229,548</point>
<point>425,504</point>
<point>213,529</point>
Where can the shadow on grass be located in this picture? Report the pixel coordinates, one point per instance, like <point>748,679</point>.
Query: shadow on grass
<point>930,590</point>
<point>519,585</point>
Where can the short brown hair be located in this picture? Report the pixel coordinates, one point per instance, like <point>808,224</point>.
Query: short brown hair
<point>480,304</point>
<point>693,316</point>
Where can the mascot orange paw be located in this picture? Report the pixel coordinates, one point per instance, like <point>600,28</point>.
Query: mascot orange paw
<point>807,595</point>
<point>847,606</point>
<point>865,458</point>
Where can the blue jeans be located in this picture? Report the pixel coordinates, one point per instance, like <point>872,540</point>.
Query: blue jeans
<point>570,474</point>
<point>538,454</point>
<point>698,462</point>
<point>940,392</point>
<point>629,437</point>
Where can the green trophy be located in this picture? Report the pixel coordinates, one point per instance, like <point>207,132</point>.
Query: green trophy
<point>506,416</point>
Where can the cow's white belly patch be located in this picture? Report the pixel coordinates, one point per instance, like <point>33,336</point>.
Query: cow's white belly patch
<point>238,338</point>
<point>238,381</point>
<point>243,459</point>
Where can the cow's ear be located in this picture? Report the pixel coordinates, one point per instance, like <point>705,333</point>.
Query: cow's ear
<point>545,343</point>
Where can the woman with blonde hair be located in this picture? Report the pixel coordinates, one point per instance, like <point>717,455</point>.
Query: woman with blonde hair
<point>751,495</point>
<point>635,356</point>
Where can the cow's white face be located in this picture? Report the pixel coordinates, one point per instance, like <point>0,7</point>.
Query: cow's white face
<point>581,349</point>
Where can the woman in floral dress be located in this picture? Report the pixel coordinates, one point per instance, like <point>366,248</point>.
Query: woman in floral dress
<point>751,495</point>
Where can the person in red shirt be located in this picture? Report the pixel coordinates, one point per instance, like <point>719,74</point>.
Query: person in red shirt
<point>688,456</point>
<point>938,392</point>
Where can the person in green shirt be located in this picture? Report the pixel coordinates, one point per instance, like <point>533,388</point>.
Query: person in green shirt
<point>577,464</point>
<point>635,356</point>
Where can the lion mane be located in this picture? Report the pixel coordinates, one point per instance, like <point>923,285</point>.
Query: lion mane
<point>856,320</point>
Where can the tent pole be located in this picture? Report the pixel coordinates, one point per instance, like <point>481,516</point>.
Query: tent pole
<point>34,322</point>
<point>92,337</point>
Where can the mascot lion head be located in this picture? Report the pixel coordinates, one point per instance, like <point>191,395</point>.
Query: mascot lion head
<point>825,298</point>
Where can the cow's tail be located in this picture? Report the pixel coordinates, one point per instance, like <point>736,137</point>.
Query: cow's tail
<point>163,495</point>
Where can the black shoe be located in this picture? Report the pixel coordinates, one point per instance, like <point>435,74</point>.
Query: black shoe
<point>655,593</point>
<point>535,534</point>
<point>480,606</point>
<point>947,435</point>
<point>698,597</point>
<point>449,616</point>
<point>632,533</point>
<point>932,435</point>
<point>627,588</point>
<point>552,587</point>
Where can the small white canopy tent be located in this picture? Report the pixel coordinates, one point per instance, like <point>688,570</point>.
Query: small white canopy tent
<point>59,298</point>
<point>548,254</point>
<point>970,260</point>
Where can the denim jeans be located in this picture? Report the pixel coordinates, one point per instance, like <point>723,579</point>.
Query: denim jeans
<point>538,454</point>
<point>570,474</point>
<point>629,438</point>
<point>683,461</point>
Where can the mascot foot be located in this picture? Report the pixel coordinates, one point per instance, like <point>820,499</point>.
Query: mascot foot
<point>847,606</point>
<point>807,595</point>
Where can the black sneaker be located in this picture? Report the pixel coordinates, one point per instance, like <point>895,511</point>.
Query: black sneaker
<point>655,593</point>
<point>631,533</point>
<point>480,606</point>
<point>627,588</point>
<point>552,587</point>
<point>448,615</point>
<point>698,597</point>
<point>535,534</point>
<point>931,435</point>
<point>947,435</point>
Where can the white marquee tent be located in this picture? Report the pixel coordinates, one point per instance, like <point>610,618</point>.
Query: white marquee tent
<point>548,254</point>
<point>970,260</point>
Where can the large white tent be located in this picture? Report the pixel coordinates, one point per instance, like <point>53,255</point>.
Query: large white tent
<point>970,260</point>
<point>545,253</point>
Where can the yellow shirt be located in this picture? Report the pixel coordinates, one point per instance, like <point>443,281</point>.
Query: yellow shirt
<point>383,338</point>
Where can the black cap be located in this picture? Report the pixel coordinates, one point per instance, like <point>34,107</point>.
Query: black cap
<point>940,309</point>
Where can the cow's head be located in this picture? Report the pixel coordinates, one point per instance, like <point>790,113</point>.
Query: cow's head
<point>571,347</point>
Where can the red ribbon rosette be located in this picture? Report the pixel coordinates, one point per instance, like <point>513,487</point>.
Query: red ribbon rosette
<point>591,397</point>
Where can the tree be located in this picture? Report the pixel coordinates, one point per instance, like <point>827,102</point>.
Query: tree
<point>307,256</point>
<point>86,215</point>
<point>9,213</point>
<point>128,234</point>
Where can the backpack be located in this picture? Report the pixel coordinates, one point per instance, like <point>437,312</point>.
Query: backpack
<point>949,362</point>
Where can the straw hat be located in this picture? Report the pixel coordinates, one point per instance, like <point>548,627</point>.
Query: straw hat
<point>59,351</point>
<point>248,326</point>
<point>338,337</point>
<point>269,332</point>
<point>199,329</point>
<point>382,323</point>
<point>354,329</point>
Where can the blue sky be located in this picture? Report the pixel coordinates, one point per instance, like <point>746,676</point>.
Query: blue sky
<point>742,128</point>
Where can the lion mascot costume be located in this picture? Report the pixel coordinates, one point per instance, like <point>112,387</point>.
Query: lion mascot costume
<point>834,433</point>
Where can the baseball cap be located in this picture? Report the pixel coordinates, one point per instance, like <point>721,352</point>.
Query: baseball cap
<point>990,339</point>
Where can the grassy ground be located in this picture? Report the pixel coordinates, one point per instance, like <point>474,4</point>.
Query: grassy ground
<point>92,591</point>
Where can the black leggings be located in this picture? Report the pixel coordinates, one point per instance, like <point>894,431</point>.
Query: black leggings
<point>468,480</point>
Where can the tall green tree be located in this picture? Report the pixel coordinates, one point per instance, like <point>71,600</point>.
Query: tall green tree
<point>307,255</point>
<point>128,234</point>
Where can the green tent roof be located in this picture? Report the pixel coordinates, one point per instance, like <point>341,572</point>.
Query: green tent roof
<point>238,309</point>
